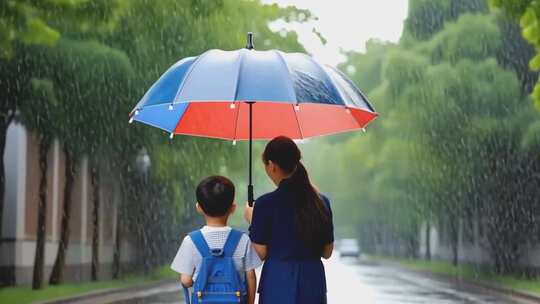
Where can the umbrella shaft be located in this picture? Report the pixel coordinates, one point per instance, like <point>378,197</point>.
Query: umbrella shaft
<point>250,186</point>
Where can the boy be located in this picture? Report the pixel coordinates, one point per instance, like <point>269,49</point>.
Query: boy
<point>215,201</point>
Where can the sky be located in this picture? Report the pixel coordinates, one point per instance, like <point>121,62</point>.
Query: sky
<point>345,24</point>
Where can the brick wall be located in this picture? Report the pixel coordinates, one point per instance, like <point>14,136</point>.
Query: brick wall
<point>17,245</point>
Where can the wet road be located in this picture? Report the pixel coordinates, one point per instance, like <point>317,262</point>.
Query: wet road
<point>371,283</point>
<point>350,281</point>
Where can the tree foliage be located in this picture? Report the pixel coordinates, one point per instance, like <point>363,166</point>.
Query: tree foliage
<point>528,13</point>
<point>455,143</point>
<point>42,22</point>
<point>74,69</point>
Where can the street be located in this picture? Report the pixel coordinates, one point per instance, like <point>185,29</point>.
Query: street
<point>350,281</point>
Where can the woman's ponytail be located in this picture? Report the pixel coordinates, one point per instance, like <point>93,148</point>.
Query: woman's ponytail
<point>312,215</point>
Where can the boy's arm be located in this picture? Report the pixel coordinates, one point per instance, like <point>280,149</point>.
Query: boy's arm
<point>251,279</point>
<point>186,280</point>
<point>184,263</point>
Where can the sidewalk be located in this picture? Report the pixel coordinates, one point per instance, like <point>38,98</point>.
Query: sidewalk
<point>530,297</point>
<point>122,295</point>
<point>169,291</point>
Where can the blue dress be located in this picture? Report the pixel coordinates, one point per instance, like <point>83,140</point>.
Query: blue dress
<point>291,274</point>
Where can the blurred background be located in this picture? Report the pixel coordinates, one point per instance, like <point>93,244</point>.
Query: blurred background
<point>449,172</point>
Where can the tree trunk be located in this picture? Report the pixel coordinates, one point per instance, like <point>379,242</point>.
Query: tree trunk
<point>57,274</point>
<point>428,241</point>
<point>454,242</point>
<point>42,215</point>
<point>118,238</point>
<point>95,224</point>
<point>117,246</point>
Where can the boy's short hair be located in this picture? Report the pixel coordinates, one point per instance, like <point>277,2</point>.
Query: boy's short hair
<point>215,195</point>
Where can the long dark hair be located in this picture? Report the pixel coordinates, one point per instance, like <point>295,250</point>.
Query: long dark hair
<point>312,216</point>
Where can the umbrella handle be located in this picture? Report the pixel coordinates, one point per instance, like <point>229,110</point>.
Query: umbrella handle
<point>250,196</point>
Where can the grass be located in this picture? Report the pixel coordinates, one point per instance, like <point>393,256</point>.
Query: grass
<point>22,295</point>
<point>468,272</point>
<point>528,285</point>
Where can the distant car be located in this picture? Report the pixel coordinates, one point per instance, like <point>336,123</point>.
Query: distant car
<point>349,248</point>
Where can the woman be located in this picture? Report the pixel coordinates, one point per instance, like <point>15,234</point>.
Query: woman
<point>291,229</point>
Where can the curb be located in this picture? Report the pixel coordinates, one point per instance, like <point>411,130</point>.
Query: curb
<point>498,288</point>
<point>522,294</point>
<point>105,292</point>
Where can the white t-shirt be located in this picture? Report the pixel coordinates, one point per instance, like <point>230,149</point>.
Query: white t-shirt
<point>188,259</point>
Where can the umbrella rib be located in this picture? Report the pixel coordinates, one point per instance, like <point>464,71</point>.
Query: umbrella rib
<point>297,121</point>
<point>290,84</point>
<point>331,81</point>
<point>240,67</point>
<point>188,74</point>
<point>342,90</point>
<point>180,119</point>
<point>236,123</point>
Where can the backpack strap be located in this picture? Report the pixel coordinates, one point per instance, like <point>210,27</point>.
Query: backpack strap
<point>187,299</point>
<point>232,242</point>
<point>201,244</point>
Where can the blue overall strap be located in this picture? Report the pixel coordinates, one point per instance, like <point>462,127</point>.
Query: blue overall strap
<point>232,242</point>
<point>186,295</point>
<point>198,239</point>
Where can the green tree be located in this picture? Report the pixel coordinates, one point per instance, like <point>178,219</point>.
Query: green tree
<point>86,73</point>
<point>155,36</point>
<point>528,12</point>
<point>30,22</point>
<point>86,118</point>
<point>365,69</point>
<point>427,18</point>
<point>24,23</point>
<point>455,128</point>
<point>92,124</point>
<point>43,93</point>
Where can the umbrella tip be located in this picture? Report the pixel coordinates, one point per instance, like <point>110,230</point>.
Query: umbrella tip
<point>249,44</point>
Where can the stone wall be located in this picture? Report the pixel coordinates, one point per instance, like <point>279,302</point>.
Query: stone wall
<point>471,247</point>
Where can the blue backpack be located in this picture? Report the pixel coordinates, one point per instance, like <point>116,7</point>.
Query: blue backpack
<point>218,280</point>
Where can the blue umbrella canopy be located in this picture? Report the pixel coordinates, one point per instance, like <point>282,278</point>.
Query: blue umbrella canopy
<point>247,75</point>
<point>249,94</point>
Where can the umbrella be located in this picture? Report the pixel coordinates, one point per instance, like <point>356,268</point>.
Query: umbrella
<point>248,94</point>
